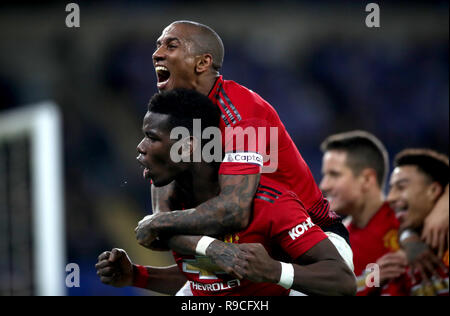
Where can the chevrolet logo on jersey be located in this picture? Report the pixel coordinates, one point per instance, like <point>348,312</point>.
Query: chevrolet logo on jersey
<point>203,267</point>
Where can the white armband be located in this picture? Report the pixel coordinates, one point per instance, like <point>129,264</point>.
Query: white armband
<point>287,275</point>
<point>203,244</point>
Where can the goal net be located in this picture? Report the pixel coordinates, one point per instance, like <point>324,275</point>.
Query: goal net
<point>32,234</point>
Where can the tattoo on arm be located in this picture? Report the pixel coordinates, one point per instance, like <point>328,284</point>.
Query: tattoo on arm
<point>228,212</point>
<point>220,252</point>
<point>225,255</point>
<point>183,244</point>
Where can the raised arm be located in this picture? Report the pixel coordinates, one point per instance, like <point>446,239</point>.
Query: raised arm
<point>228,212</point>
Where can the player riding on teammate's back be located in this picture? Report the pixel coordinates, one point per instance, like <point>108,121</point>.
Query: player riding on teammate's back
<point>189,55</point>
<point>245,262</point>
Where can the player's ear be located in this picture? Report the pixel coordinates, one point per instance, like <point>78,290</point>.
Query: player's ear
<point>203,63</point>
<point>369,177</point>
<point>434,191</point>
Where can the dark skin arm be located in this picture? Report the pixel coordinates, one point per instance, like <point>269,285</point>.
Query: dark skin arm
<point>319,271</point>
<point>228,212</point>
<point>116,269</point>
<point>339,281</point>
<point>163,200</point>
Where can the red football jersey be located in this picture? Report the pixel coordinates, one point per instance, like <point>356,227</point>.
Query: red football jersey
<point>265,145</point>
<point>379,237</point>
<point>280,223</point>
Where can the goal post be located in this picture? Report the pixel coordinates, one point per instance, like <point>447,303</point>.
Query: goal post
<point>41,125</point>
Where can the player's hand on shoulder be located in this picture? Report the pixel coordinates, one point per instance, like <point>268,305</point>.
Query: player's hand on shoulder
<point>115,268</point>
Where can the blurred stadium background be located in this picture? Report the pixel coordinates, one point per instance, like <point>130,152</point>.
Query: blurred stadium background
<point>316,62</point>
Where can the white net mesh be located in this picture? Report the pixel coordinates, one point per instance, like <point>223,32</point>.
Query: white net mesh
<point>15,216</point>
<point>32,239</point>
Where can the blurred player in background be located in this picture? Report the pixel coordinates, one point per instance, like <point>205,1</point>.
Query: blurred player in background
<point>280,226</point>
<point>354,169</point>
<point>417,183</point>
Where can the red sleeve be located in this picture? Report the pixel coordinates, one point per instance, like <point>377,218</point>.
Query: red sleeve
<point>247,146</point>
<point>293,229</point>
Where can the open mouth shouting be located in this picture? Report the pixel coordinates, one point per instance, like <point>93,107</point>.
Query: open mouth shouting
<point>163,76</point>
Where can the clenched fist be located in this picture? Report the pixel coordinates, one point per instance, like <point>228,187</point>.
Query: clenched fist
<point>115,268</point>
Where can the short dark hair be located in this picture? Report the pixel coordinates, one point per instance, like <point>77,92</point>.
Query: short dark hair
<point>206,40</point>
<point>183,106</point>
<point>431,163</point>
<point>363,149</point>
